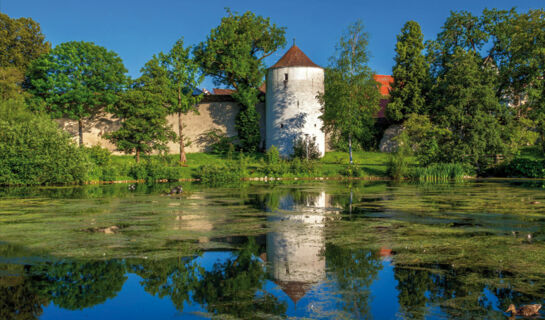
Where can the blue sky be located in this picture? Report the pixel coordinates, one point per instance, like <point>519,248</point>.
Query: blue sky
<point>137,29</point>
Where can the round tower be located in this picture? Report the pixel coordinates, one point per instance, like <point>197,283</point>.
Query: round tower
<point>292,107</point>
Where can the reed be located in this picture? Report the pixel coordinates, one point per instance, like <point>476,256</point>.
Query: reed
<point>438,172</point>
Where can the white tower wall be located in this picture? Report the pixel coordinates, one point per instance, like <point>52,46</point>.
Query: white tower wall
<point>292,108</point>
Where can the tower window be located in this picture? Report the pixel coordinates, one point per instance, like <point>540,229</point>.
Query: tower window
<point>285,77</point>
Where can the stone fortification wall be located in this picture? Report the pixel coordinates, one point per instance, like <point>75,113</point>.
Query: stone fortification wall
<point>214,113</point>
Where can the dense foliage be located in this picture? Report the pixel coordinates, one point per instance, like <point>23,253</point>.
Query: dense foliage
<point>76,80</point>
<point>33,150</point>
<point>21,41</point>
<point>484,100</point>
<point>521,167</point>
<point>144,126</point>
<point>233,55</point>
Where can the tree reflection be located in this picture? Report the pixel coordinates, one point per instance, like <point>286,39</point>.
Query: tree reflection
<point>460,292</point>
<point>234,287</point>
<point>19,297</point>
<point>412,285</point>
<point>77,285</point>
<point>174,278</point>
<point>355,270</point>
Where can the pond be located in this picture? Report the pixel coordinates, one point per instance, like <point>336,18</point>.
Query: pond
<point>321,250</point>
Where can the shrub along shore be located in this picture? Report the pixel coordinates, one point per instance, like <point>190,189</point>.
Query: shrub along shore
<point>97,165</point>
<point>34,151</point>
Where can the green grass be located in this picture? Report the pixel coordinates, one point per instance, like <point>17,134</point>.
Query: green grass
<point>374,164</point>
<point>332,164</point>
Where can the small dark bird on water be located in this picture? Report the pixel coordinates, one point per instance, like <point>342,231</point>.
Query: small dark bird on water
<point>525,311</point>
<point>176,190</point>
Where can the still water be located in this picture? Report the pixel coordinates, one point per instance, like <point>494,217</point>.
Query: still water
<point>263,251</point>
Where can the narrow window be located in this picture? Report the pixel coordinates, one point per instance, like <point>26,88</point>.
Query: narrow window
<point>285,77</point>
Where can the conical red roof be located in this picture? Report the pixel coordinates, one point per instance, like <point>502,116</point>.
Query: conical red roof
<point>295,58</point>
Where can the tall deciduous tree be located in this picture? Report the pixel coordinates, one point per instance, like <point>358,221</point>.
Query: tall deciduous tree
<point>77,79</point>
<point>144,127</point>
<point>184,77</point>
<point>233,55</point>
<point>21,41</point>
<point>411,74</point>
<point>351,94</point>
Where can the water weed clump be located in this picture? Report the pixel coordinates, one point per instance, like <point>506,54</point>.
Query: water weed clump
<point>438,172</point>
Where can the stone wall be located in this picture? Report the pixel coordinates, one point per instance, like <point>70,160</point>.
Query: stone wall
<point>214,113</point>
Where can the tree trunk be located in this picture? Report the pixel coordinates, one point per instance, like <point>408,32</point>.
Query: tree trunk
<point>183,159</point>
<point>350,148</point>
<point>80,132</point>
<point>137,155</point>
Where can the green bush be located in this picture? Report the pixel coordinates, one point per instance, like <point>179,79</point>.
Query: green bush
<point>214,174</point>
<point>173,173</point>
<point>303,146</point>
<point>155,170</point>
<point>278,169</point>
<point>100,156</point>
<point>218,141</point>
<point>398,166</point>
<point>138,171</point>
<point>34,151</point>
<point>520,167</point>
<point>109,173</point>
<point>352,170</point>
<point>273,155</point>
<point>306,168</point>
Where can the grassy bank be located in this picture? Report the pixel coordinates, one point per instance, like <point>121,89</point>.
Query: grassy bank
<point>333,164</point>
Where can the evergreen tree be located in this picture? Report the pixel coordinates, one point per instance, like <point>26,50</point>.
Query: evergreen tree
<point>411,74</point>
<point>465,104</point>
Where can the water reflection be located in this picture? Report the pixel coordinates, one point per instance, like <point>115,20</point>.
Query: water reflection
<point>356,251</point>
<point>295,249</point>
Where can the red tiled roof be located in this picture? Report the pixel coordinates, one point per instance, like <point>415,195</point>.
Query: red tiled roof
<point>385,86</point>
<point>223,92</point>
<point>228,92</point>
<point>294,58</point>
<point>385,81</point>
